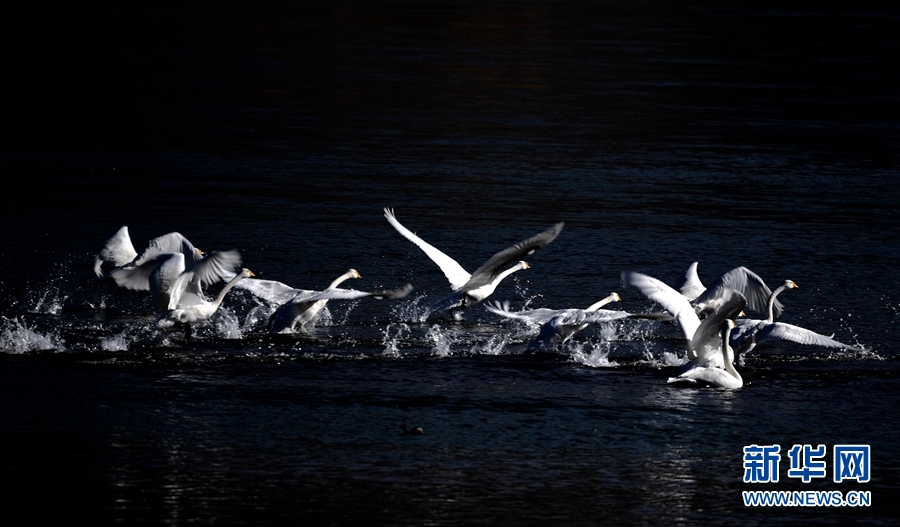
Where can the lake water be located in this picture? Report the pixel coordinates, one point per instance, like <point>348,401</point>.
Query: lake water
<point>760,134</point>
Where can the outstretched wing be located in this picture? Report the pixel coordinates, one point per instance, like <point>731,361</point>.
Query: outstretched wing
<point>502,259</point>
<point>747,283</point>
<point>783,331</point>
<point>689,283</point>
<point>305,297</point>
<point>451,268</point>
<point>535,316</point>
<point>187,290</point>
<point>671,300</point>
<point>118,250</point>
<point>270,290</point>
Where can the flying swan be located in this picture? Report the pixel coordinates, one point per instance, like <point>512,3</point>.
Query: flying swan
<point>702,337</point>
<point>297,307</point>
<point>192,308</point>
<point>470,289</point>
<point>560,323</point>
<point>119,252</point>
<point>751,332</point>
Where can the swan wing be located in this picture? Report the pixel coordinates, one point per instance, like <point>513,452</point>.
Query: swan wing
<point>671,300</point>
<point>270,290</point>
<point>495,265</point>
<point>534,316</point>
<point>792,333</point>
<point>172,242</point>
<point>212,268</point>
<point>451,268</point>
<point>602,315</point>
<point>689,283</point>
<point>707,339</point>
<point>747,283</point>
<point>117,250</point>
<point>349,294</point>
<point>138,277</point>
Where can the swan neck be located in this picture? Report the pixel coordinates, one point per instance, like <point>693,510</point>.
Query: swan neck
<point>506,273</point>
<point>339,280</point>
<point>728,353</point>
<point>771,307</point>
<point>597,305</point>
<point>221,296</point>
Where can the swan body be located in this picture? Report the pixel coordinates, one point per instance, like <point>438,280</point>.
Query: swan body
<point>194,308</point>
<point>169,278</point>
<point>470,289</point>
<point>707,373</point>
<point>752,332</point>
<point>680,309</point>
<point>132,270</point>
<point>739,279</point>
<point>561,324</point>
<point>298,307</point>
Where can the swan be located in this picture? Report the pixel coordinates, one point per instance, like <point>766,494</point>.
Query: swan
<point>752,332</point>
<point>707,300</point>
<point>191,308</point>
<point>470,289</point>
<point>561,323</point>
<point>681,310</point>
<point>171,280</point>
<point>119,251</point>
<point>297,307</point>
<point>706,373</point>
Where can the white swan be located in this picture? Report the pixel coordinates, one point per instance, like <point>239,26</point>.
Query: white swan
<point>681,310</point>
<point>119,252</point>
<point>171,280</point>
<point>707,300</point>
<point>470,289</point>
<point>192,308</point>
<point>297,307</point>
<point>560,323</point>
<point>707,373</point>
<point>752,332</point>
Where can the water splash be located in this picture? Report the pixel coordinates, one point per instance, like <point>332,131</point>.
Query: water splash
<point>50,303</point>
<point>391,336</point>
<point>120,342</point>
<point>412,311</point>
<point>441,341</point>
<point>16,337</point>
<point>496,345</point>
<point>227,324</point>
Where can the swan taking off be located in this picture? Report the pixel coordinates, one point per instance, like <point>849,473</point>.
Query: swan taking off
<point>297,307</point>
<point>560,324</point>
<point>470,289</point>
<point>193,308</point>
<point>751,332</point>
<point>119,251</point>
<point>678,307</point>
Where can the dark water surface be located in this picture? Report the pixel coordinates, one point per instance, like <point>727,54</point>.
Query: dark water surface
<point>752,134</point>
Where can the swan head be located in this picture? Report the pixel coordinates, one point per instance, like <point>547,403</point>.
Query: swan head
<point>614,297</point>
<point>523,265</point>
<point>790,284</point>
<point>247,273</point>
<point>353,273</point>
